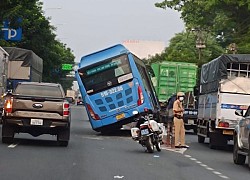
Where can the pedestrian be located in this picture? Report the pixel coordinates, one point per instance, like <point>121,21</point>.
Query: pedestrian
<point>178,111</point>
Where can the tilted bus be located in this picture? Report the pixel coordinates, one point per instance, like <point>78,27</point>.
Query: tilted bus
<point>113,83</point>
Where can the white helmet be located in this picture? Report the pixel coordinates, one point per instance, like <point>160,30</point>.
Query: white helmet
<point>180,94</point>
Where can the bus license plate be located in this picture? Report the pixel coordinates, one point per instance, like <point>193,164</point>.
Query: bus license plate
<point>120,116</point>
<point>144,132</point>
<point>228,132</point>
<point>37,122</point>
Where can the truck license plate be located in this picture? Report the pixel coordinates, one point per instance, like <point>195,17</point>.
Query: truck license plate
<point>120,116</point>
<point>190,121</point>
<point>228,132</point>
<point>37,122</point>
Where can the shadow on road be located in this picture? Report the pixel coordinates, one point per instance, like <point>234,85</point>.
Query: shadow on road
<point>36,142</point>
<point>228,148</point>
<point>122,133</point>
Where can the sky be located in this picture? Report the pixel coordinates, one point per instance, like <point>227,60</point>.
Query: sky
<point>87,26</point>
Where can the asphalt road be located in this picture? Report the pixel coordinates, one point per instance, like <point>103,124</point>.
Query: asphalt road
<point>92,156</point>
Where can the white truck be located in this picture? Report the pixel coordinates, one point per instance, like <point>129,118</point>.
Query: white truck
<point>71,93</point>
<point>23,66</point>
<point>224,87</point>
<point>3,76</point>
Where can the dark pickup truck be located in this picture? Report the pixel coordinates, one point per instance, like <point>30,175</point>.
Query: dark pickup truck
<point>36,108</point>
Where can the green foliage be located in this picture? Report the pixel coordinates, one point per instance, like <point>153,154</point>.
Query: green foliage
<point>38,36</point>
<point>182,48</point>
<point>228,20</point>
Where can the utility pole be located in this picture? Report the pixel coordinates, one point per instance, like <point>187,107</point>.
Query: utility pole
<point>200,43</point>
<point>233,48</point>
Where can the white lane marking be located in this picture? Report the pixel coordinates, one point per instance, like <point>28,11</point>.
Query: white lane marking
<point>225,177</point>
<point>118,177</point>
<point>94,138</point>
<point>203,165</point>
<point>12,145</point>
<point>209,168</point>
<point>206,167</point>
<point>178,150</point>
<point>182,150</point>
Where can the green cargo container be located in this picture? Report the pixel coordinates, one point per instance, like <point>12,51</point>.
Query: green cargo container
<point>171,77</point>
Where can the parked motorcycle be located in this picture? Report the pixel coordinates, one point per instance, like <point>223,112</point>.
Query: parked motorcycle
<point>148,133</point>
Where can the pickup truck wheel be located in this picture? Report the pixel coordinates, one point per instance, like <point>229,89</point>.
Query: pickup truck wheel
<point>7,140</point>
<point>238,158</point>
<point>63,143</point>
<point>249,152</point>
<point>201,139</point>
<point>63,137</point>
<point>7,134</point>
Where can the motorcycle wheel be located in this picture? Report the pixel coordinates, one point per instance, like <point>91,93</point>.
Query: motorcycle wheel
<point>149,145</point>
<point>158,146</point>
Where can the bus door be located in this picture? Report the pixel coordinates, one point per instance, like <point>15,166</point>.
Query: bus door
<point>147,83</point>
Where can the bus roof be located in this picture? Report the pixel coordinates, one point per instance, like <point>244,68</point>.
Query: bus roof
<point>102,55</point>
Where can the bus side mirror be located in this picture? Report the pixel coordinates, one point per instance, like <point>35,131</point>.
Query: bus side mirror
<point>239,112</point>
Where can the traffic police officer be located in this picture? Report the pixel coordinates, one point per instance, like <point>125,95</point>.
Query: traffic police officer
<point>178,111</point>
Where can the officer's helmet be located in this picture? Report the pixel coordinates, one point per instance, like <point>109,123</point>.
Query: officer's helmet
<point>179,94</point>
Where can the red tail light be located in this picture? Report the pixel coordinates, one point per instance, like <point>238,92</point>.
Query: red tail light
<point>92,113</point>
<point>8,105</point>
<point>141,97</point>
<point>65,109</point>
<point>223,124</point>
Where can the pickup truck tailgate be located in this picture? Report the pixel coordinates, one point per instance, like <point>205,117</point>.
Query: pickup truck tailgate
<point>37,108</point>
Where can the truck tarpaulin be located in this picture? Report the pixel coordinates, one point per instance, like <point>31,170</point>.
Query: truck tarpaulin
<point>30,62</point>
<point>215,70</point>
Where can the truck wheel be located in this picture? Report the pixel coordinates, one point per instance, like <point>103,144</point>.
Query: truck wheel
<point>7,134</point>
<point>211,144</point>
<point>201,139</point>
<point>149,144</point>
<point>238,158</point>
<point>63,137</point>
<point>195,130</point>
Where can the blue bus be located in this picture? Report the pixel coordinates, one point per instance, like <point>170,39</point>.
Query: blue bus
<point>113,83</point>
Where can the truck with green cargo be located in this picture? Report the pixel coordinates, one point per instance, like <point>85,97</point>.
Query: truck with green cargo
<point>170,78</point>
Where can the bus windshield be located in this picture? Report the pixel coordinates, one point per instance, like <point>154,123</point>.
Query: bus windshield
<point>106,74</point>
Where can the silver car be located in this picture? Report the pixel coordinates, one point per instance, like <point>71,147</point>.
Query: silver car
<point>242,138</point>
